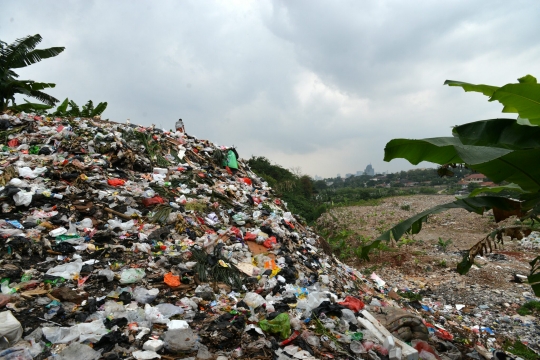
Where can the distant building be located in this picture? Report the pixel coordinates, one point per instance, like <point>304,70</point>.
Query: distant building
<point>317,178</point>
<point>370,171</point>
<point>339,176</point>
<point>348,176</point>
<point>479,179</point>
<point>359,173</point>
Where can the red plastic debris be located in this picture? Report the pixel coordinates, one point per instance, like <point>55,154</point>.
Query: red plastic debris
<point>290,339</point>
<point>236,231</point>
<point>246,181</point>
<point>172,280</point>
<point>116,182</point>
<point>153,201</point>
<point>271,241</point>
<point>13,143</point>
<point>353,303</point>
<point>443,334</point>
<point>422,345</point>
<point>250,236</point>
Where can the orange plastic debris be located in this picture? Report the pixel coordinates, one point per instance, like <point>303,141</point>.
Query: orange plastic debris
<point>172,280</point>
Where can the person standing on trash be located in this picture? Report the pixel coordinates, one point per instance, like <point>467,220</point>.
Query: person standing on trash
<point>180,126</point>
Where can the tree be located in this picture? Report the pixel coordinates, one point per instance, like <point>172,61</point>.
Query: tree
<point>472,186</point>
<point>504,150</point>
<point>19,54</point>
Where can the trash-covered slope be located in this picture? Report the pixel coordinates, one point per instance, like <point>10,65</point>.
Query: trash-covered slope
<point>122,241</point>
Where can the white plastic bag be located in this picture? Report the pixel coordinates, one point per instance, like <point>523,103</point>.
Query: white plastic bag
<point>109,274</point>
<point>130,276</point>
<point>23,198</point>
<point>67,271</point>
<point>92,331</point>
<point>28,173</point>
<point>154,315</point>
<point>254,300</point>
<point>113,224</point>
<point>143,296</point>
<point>61,335</point>
<point>10,327</point>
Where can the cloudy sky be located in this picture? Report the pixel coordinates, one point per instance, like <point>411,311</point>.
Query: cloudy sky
<point>320,85</point>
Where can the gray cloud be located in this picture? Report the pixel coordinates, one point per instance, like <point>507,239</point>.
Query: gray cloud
<point>320,85</point>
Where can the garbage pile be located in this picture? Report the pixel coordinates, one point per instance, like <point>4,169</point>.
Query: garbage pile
<point>532,241</point>
<point>130,242</point>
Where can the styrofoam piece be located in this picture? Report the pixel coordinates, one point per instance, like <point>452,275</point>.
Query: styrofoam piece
<point>380,332</point>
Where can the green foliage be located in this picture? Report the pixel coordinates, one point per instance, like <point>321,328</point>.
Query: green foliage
<point>443,244</point>
<point>298,191</point>
<point>19,54</point>
<point>412,296</point>
<point>518,348</point>
<point>504,150</point>
<point>87,111</point>
<point>529,307</point>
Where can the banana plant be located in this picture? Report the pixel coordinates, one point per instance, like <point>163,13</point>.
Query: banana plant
<point>88,110</point>
<point>504,150</point>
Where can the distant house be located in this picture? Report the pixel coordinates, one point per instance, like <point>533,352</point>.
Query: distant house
<point>479,179</point>
<point>472,179</point>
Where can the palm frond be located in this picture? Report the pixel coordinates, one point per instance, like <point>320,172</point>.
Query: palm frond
<point>74,111</point>
<point>41,96</point>
<point>99,109</point>
<point>35,56</point>
<point>20,47</point>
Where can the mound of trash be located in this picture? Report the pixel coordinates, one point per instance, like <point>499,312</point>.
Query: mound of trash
<point>122,241</point>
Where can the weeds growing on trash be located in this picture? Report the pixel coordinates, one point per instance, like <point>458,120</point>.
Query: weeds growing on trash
<point>519,349</point>
<point>529,308</point>
<point>501,149</point>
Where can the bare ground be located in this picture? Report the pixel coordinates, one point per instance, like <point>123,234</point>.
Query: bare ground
<point>425,264</point>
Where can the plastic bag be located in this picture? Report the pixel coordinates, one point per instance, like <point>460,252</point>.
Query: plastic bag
<point>154,315</point>
<point>28,173</point>
<point>153,201</point>
<point>79,352</point>
<point>143,296</point>
<point>352,303</point>
<point>92,331</point>
<point>116,182</point>
<point>254,300</point>
<point>67,271</point>
<point>313,300</point>
<point>348,315</point>
<point>172,280</point>
<point>23,198</point>
<point>10,327</point>
<point>130,276</point>
<point>180,340</point>
<point>109,274</point>
<point>168,310</point>
<point>113,224</point>
<point>279,325</point>
<point>61,335</point>
<point>270,242</point>
<point>86,223</point>
<point>145,355</point>
<point>16,353</point>
<point>425,350</point>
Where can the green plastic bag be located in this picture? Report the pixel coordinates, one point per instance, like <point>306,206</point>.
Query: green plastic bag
<point>281,325</point>
<point>231,160</point>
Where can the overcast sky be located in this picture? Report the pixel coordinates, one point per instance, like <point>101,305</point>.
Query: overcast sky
<point>320,85</point>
